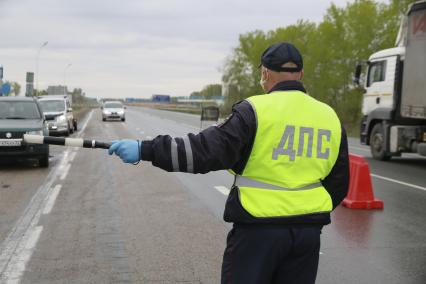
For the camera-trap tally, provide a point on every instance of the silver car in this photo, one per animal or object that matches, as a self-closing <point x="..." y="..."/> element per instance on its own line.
<point x="59" y="114"/>
<point x="113" y="110"/>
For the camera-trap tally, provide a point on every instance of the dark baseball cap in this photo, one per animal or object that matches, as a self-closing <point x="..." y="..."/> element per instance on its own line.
<point x="275" y="56"/>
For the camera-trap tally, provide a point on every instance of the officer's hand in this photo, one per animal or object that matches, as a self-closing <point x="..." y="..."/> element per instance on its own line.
<point x="127" y="150"/>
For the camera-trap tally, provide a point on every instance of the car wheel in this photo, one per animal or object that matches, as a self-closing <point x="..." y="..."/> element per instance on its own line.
<point x="75" y="125"/>
<point x="67" y="133"/>
<point x="123" y="119"/>
<point x="103" y="119"/>
<point x="44" y="161"/>
<point x="377" y="143"/>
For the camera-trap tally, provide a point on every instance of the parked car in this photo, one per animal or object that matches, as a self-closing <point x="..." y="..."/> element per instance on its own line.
<point x="19" y="116"/>
<point x="59" y="116"/>
<point x="113" y="110"/>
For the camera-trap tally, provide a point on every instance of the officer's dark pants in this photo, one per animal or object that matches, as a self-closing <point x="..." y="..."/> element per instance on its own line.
<point x="265" y="254"/>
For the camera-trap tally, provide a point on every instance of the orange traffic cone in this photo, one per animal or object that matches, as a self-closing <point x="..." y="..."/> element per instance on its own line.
<point x="360" y="195"/>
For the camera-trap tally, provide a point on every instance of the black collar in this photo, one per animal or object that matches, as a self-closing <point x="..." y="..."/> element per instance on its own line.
<point x="288" y="86"/>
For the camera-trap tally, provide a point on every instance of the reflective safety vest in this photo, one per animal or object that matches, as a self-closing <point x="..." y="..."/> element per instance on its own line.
<point x="296" y="145"/>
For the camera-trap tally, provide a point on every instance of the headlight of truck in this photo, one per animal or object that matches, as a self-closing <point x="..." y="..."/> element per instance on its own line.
<point x="61" y="118"/>
<point x="36" y="132"/>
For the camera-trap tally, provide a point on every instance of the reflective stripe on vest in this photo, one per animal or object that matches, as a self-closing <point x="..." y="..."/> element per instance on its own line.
<point x="296" y="145"/>
<point x="247" y="182"/>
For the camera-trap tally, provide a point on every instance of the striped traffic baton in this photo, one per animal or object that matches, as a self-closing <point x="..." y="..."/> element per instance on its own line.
<point x="73" y="142"/>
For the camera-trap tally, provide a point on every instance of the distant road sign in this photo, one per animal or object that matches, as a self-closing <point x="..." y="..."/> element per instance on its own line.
<point x="210" y="113"/>
<point x="5" y="89"/>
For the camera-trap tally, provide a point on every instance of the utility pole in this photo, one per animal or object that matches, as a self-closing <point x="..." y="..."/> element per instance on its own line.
<point x="1" y="80"/>
<point x="37" y="59"/>
<point x="65" y="77"/>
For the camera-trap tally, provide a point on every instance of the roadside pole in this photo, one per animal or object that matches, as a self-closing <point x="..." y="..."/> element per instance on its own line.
<point x="1" y="79"/>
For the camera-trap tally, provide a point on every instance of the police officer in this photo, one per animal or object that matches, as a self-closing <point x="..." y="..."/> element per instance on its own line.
<point x="289" y="155"/>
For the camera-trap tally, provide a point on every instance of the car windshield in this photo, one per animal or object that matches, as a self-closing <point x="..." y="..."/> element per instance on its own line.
<point x="19" y="110"/>
<point x="51" y="106"/>
<point x="113" y="105"/>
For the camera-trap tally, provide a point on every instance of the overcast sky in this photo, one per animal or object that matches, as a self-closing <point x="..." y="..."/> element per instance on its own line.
<point x="135" y="48"/>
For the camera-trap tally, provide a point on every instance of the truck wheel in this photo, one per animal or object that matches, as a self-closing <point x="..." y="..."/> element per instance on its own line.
<point x="378" y="143"/>
<point x="44" y="161"/>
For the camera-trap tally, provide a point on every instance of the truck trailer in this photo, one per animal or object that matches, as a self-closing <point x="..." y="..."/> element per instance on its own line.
<point x="394" y="103"/>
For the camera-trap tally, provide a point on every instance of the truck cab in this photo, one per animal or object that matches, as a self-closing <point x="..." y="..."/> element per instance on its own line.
<point x="394" y="103"/>
<point x="381" y="79"/>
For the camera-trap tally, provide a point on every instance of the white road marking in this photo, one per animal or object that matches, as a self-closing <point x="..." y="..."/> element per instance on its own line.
<point x="399" y="182"/>
<point x="14" y="246"/>
<point x="17" y="264"/>
<point x="65" y="172"/>
<point x="51" y="200"/>
<point x="85" y="124"/>
<point x="359" y="148"/>
<point x="17" y="248"/>
<point x="222" y="189"/>
<point x="72" y="156"/>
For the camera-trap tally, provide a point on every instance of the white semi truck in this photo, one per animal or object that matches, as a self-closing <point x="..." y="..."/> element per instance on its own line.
<point x="394" y="104"/>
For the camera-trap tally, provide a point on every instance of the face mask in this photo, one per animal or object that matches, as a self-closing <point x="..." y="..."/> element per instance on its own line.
<point x="262" y="82"/>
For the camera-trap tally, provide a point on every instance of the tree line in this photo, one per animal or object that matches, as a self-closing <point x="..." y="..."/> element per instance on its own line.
<point x="331" y="49"/>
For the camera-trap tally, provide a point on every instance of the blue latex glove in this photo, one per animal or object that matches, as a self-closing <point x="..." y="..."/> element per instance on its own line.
<point x="127" y="150"/>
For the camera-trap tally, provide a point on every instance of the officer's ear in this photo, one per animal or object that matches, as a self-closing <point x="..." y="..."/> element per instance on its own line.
<point x="265" y="74"/>
<point x="302" y="74"/>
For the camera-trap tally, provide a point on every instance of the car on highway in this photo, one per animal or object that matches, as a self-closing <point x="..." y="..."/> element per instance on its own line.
<point x="59" y="114"/>
<point x="113" y="110"/>
<point x="19" y="116"/>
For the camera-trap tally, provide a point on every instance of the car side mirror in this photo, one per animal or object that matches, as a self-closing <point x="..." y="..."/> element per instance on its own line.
<point x="70" y="109"/>
<point x="357" y="74"/>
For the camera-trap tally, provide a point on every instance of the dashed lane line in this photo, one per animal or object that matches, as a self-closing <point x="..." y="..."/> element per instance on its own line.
<point x="65" y="172"/>
<point x="222" y="189"/>
<point x="72" y="156"/>
<point x="51" y="199"/>
<point x="359" y="148"/>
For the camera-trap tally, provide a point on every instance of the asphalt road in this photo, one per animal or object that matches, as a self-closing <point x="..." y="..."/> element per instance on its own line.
<point x="89" y="218"/>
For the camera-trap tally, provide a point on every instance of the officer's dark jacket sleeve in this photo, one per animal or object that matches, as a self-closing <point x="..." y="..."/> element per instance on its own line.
<point x="337" y="181"/>
<point x="215" y="148"/>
